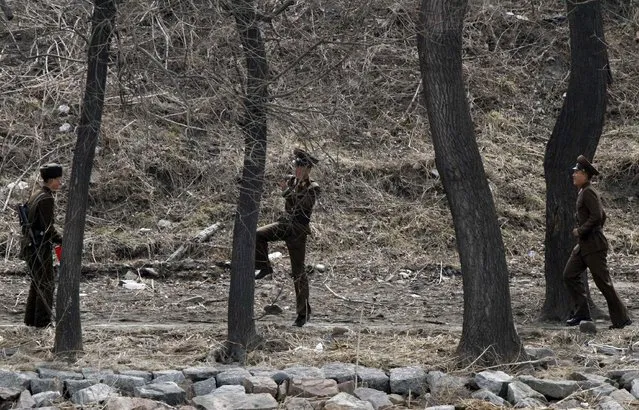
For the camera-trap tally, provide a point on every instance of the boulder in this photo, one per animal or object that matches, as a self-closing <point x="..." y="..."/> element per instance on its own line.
<point x="9" y="394"/>
<point x="530" y="403"/>
<point x="25" y="401"/>
<point x="554" y="389"/>
<point x="494" y="381"/>
<point x="231" y="401"/>
<point x="312" y="388"/>
<point x="441" y="383"/>
<point x="518" y="391"/>
<point x="608" y="403"/>
<point x="198" y="374"/>
<point x="46" y="398"/>
<point x="230" y="389"/>
<point x="147" y="376"/>
<point x="303" y="372"/>
<point x="232" y="376"/>
<point x="406" y="380"/>
<point x="15" y="380"/>
<point x="46" y="373"/>
<point x="123" y="382"/>
<point x="71" y="386"/>
<point x="340" y="372"/>
<point x="378" y="399"/>
<point x="634" y="388"/>
<point x="487" y="395"/>
<point x="175" y="376"/>
<point x="40" y="385"/>
<point x="297" y="403"/>
<point x="94" y="394"/>
<point x="344" y="401"/>
<point x="135" y="403"/>
<point x="622" y="396"/>
<point x="96" y="375"/>
<point x="167" y="392"/>
<point x="260" y="384"/>
<point x="374" y="378"/>
<point x="204" y="387"/>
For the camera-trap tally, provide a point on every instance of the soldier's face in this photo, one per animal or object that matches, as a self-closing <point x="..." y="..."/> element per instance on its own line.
<point x="54" y="184"/>
<point x="301" y="172"/>
<point x="579" y="178"/>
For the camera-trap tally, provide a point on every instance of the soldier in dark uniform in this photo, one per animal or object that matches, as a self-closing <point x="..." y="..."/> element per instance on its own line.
<point x="38" y="255"/>
<point x="300" y="193"/>
<point x="591" y="252"/>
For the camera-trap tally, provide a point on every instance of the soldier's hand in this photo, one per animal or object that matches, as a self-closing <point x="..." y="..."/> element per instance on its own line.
<point x="575" y="232"/>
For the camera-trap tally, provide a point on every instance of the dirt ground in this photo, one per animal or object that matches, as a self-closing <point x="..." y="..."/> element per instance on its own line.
<point x="379" y="320"/>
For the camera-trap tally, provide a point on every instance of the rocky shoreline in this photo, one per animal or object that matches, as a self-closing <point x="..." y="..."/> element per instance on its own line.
<point x="334" y="386"/>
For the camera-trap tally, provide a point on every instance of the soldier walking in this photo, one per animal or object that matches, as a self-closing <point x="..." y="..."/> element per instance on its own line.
<point x="36" y="249"/>
<point x="300" y="193"/>
<point x="591" y="252"/>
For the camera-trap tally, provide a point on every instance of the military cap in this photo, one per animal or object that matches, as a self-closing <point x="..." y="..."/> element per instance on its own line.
<point x="584" y="165"/>
<point x="51" y="171"/>
<point x="303" y="158"/>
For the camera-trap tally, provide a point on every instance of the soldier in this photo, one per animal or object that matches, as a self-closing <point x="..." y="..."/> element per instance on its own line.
<point x="591" y="252"/>
<point x="36" y="250"/>
<point x="300" y="193"/>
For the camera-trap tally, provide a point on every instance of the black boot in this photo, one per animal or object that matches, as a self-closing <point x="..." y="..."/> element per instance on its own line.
<point x="301" y="320"/>
<point x="263" y="273"/>
<point x="575" y="320"/>
<point x="622" y="325"/>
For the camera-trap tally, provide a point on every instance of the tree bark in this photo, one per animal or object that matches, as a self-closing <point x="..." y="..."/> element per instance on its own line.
<point x="488" y="330"/>
<point x="68" y="333"/>
<point x="577" y="131"/>
<point x="242" y="335"/>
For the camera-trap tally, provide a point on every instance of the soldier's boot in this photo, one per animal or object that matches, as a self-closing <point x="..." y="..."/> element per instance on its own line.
<point x="264" y="272"/>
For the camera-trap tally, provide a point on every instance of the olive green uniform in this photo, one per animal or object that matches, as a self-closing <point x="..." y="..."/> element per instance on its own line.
<point x="591" y="252"/>
<point x="300" y="198"/>
<point x="39" y="258"/>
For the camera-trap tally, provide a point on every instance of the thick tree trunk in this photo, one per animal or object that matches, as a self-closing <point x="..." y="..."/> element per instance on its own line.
<point x="242" y="335"/>
<point x="68" y="333"/>
<point x="577" y="131"/>
<point x="488" y="328"/>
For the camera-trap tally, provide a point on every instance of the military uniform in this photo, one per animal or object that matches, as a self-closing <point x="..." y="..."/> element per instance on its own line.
<point x="591" y="252"/>
<point x="39" y="258"/>
<point x="293" y="229"/>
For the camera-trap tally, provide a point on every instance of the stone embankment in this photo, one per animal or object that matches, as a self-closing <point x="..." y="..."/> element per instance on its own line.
<point x="331" y="387"/>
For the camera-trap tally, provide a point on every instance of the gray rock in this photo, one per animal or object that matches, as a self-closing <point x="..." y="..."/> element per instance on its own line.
<point x="230" y="401"/>
<point x="536" y="353"/>
<point x="604" y="389"/>
<point x="493" y="381"/>
<point x="373" y="378"/>
<point x="310" y="388"/>
<point x="607" y="403"/>
<point x="619" y="373"/>
<point x="260" y="384"/>
<point x="346" y="387"/>
<point x="625" y="380"/>
<point x="555" y="389"/>
<point x="379" y="400"/>
<point x="40" y="385"/>
<point x="135" y="403"/>
<point x="9" y="394"/>
<point x="518" y="391"/>
<point x="440" y="383"/>
<point x="445" y="407"/>
<point x="15" y="380"/>
<point x="93" y="394"/>
<point x="175" y="376"/>
<point x="204" y="387"/>
<point x="230" y="389"/>
<point x="46" y="373"/>
<point x="592" y="377"/>
<point x="487" y="395"/>
<point x="622" y="396"/>
<point x="72" y="386"/>
<point x="232" y="376"/>
<point x="25" y="401"/>
<point x="167" y="392"/>
<point x="198" y="374"/>
<point x="530" y="403"/>
<point x="344" y="401"/>
<point x="634" y="388"/>
<point x="405" y="380"/>
<point x="340" y="372"/>
<point x="297" y="403"/>
<point x="123" y="382"/>
<point x="567" y="404"/>
<point x="46" y="398"/>
<point x="147" y="376"/>
<point x="304" y="372"/>
<point x="96" y="375"/>
<point x="397" y="399"/>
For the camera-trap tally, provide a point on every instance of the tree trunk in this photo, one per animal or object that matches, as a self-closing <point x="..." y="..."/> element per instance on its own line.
<point x="577" y="131"/>
<point x="488" y="329"/>
<point x="242" y="335"/>
<point x="68" y="333"/>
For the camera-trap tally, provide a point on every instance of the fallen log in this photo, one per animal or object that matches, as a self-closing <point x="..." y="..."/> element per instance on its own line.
<point x="202" y="236"/>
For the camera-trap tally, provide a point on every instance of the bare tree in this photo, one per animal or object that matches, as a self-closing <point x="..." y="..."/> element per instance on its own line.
<point x="488" y="329"/>
<point x="577" y="131"/>
<point x="68" y="334"/>
<point x="242" y="335"/>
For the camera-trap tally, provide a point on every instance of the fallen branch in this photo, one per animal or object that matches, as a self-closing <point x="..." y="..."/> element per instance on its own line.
<point x="201" y="237"/>
<point x="351" y="300"/>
